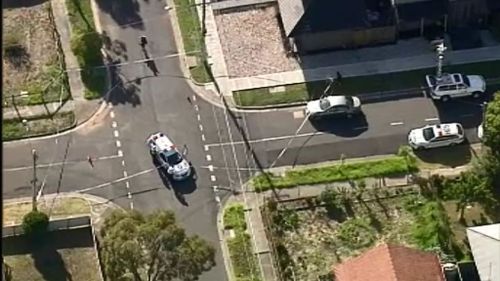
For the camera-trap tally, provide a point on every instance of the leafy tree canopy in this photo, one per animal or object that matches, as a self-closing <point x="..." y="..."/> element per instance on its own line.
<point x="153" y="248"/>
<point x="492" y="125"/>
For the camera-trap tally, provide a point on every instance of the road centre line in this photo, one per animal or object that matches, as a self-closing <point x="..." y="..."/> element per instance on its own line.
<point x="432" y="119"/>
<point x="194" y="98"/>
<point x="129" y="195"/>
<point x="212" y="178"/>
<point x="114" y="124"/>
<point x="206" y="147"/>
<point x="116" y="133"/>
<point x="267" y="139"/>
<point x="57" y="164"/>
<point x="201" y="127"/>
<point x="125" y="174"/>
<point x="198" y="117"/>
<point x="120" y="153"/>
<point x="127" y="184"/>
<point x="397" y="123"/>
<point x="112" y="114"/>
<point x="209" y="158"/>
<point x="203" y="137"/>
<point x="118" y="144"/>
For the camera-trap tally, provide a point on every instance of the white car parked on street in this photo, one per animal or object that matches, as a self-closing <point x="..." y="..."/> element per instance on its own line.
<point x="455" y="85"/>
<point x="167" y="155"/>
<point x="438" y="135"/>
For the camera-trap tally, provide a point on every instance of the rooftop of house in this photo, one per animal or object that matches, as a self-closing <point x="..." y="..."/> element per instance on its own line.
<point x="327" y="15"/>
<point x="388" y="262"/>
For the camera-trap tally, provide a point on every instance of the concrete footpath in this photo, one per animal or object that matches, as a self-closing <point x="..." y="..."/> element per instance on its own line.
<point x="253" y="201"/>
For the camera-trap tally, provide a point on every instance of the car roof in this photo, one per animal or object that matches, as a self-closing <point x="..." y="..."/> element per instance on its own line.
<point x="449" y="129"/>
<point x="161" y="141"/>
<point x="449" y="79"/>
<point x="337" y="100"/>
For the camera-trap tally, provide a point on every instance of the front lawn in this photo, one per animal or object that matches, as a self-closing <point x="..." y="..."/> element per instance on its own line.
<point x="374" y="168"/>
<point x="13" y="129"/>
<point x="358" y="85"/>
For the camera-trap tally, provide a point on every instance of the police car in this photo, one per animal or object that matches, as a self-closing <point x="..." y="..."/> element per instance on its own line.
<point x="167" y="155"/>
<point x="438" y="135"/>
<point x="455" y="85"/>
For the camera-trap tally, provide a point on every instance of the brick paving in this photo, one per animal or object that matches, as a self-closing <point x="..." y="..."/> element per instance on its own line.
<point x="252" y="42"/>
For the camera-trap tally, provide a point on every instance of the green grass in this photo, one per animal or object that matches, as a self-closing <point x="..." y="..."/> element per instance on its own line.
<point x="86" y="45"/>
<point x="38" y="125"/>
<point x="374" y="168"/>
<point x="244" y="262"/>
<point x="192" y="38"/>
<point x="358" y="85"/>
<point x="234" y="218"/>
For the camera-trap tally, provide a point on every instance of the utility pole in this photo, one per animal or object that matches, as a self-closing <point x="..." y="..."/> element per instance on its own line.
<point x="203" y="17"/>
<point x="35" y="156"/>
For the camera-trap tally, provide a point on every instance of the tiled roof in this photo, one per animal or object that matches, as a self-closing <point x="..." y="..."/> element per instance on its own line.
<point x="388" y="262"/>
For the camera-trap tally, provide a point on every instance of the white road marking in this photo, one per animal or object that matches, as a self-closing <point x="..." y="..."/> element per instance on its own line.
<point x="194" y="97"/>
<point x="129" y="195"/>
<point x="116" y="181"/>
<point x="228" y="168"/>
<point x="118" y="144"/>
<point x="396" y="123"/>
<point x="57" y="164"/>
<point x="198" y="117"/>
<point x="211" y="168"/>
<point x="217" y="199"/>
<point x="206" y="147"/>
<point x="209" y="158"/>
<point x="127" y="184"/>
<point x="212" y="178"/>
<point x="268" y="139"/>
<point x="298" y="114"/>
<point x="120" y="153"/>
<point x="125" y="174"/>
<point x="432" y="119"/>
<point x="123" y="163"/>
<point x="131" y="205"/>
<point x="196" y="107"/>
<point x="203" y="137"/>
<point x="201" y="127"/>
<point x="56" y="140"/>
<point x="112" y="114"/>
<point x="116" y="133"/>
<point x="114" y="124"/>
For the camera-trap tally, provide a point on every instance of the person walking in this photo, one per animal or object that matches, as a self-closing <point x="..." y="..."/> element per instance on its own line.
<point x="91" y="162"/>
<point x="144" y="41"/>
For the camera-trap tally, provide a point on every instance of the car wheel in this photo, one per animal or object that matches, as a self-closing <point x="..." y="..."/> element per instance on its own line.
<point x="445" y="98"/>
<point x="476" y="95"/>
<point x="419" y="148"/>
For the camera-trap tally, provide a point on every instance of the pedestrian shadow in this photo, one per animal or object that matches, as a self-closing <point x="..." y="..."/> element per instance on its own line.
<point x="123" y="12"/>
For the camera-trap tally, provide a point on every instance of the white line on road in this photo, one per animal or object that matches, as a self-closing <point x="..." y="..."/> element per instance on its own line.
<point x="131" y="205"/>
<point x="268" y="139"/>
<point x="227" y="168"/>
<point x="57" y="164"/>
<point x="118" y="144"/>
<point x="115" y="181"/>
<point x="201" y="127"/>
<point x="206" y="147"/>
<point x="203" y="137"/>
<point x="432" y="119"/>
<point x="125" y="174"/>
<point x="120" y="153"/>
<point x="217" y="199"/>
<point x="209" y="158"/>
<point x="129" y="195"/>
<point x="123" y="163"/>
<point x="114" y="124"/>
<point x="396" y="123"/>
<point x="127" y="184"/>
<point x="211" y="168"/>
<point x="194" y="97"/>
<point x="116" y="133"/>
<point x="196" y="107"/>
<point x="198" y="117"/>
<point x="112" y="114"/>
<point x="212" y="178"/>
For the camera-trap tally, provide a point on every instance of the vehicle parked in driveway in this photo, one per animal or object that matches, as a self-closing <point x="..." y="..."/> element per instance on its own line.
<point x="333" y="106"/>
<point x="168" y="157"/>
<point x="455" y="85"/>
<point x="439" y="135"/>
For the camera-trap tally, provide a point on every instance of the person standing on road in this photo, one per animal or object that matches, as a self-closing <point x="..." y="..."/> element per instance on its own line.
<point x="144" y="41"/>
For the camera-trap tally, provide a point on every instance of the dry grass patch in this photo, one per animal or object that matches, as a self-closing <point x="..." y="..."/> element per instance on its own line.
<point x="31" y="56"/>
<point x="61" y="207"/>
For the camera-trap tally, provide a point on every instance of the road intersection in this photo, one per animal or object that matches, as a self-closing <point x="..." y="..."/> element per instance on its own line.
<point x="225" y="146"/>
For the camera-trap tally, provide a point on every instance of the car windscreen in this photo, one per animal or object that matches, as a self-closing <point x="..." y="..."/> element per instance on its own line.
<point x="349" y="101"/>
<point x="466" y="80"/>
<point x="171" y="157"/>
<point x="431" y="80"/>
<point x="428" y="133"/>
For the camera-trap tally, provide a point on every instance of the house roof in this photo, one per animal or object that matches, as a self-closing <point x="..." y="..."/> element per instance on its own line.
<point x="485" y="245"/>
<point x="388" y="262"/>
<point x="326" y="15"/>
<point x="411" y="10"/>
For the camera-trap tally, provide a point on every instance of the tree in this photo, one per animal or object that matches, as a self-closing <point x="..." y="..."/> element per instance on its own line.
<point x="152" y="247"/>
<point x="35" y="224"/>
<point x="491" y="125"/>
<point x="469" y="188"/>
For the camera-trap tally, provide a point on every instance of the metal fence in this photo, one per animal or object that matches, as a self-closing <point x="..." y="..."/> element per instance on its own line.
<point x="54" y="225"/>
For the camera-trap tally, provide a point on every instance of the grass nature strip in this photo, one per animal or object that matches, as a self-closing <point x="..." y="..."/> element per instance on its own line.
<point x="350" y="171"/>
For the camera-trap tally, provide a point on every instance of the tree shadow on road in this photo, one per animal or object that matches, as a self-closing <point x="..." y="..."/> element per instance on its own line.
<point x="123" y="12"/>
<point x="342" y="126"/>
<point x="122" y="91"/>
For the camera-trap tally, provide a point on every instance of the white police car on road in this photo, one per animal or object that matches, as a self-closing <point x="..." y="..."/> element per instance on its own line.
<point x="438" y="135"/>
<point x="455" y="85"/>
<point x="165" y="153"/>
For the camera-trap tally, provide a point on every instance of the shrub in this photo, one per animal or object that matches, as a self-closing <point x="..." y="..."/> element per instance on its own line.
<point x="35" y="224"/>
<point x="87" y="48"/>
<point x="357" y="233"/>
<point x="234" y="218"/>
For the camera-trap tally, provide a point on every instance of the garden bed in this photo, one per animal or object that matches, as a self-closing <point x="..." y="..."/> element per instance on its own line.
<point x="37" y="126"/>
<point x="243" y="260"/>
<point x="374" y="168"/>
<point x="33" y="62"/>
<point x="358" y="85"/>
